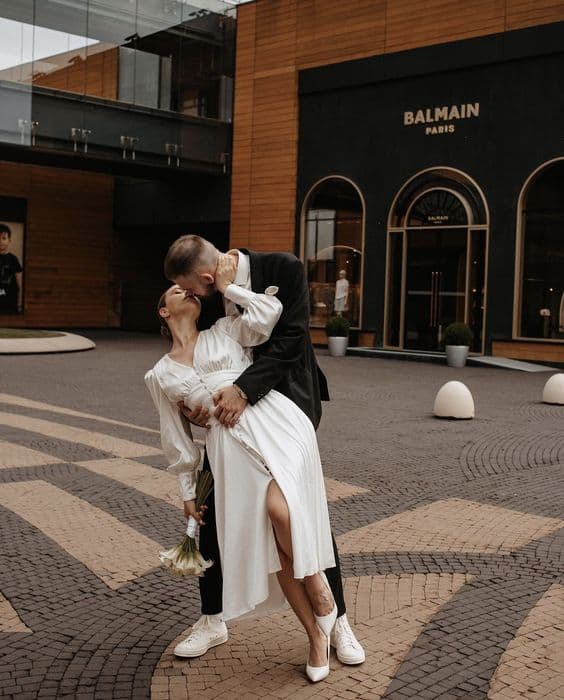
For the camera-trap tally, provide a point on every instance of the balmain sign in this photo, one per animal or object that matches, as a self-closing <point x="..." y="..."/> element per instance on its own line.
<point x="441" y="120"/>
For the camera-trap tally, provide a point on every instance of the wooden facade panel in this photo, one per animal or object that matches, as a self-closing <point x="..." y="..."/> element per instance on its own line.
<point x="68" y="244"/>
<point x="318" y="337"/>
<point x="335" y="14"/>
<point x="272" y="17"/>
<point x="526" y="13"/>
<point x="273" y="87"/>
<point x="529" y="351"/>
<point x="246" y="37"/>
<point x="369" y="35"/>
<point x="410" y="24"/>
<point x="275" y="33"/>
<point x="273" y="109"/>
<point x="332" y="31"/>
<point x="269" y="138"/>
<point x="243" y="127"/>
<point x="264" y="206"/>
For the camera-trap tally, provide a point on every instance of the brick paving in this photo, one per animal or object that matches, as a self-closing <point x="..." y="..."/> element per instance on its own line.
<point x="451" y="536"/>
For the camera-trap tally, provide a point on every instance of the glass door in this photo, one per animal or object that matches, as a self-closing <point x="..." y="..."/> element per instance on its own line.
<point x="435" y="285"/>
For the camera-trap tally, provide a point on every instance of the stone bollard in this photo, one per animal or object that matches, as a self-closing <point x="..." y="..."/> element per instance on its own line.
<point x="454" y="400"/>
<point x="554" y="390"/>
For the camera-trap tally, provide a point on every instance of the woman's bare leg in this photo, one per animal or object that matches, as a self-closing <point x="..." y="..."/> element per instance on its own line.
<point x="319" y="594"/>
<point x="317" y="591"/>
<point x="294" y="590"/>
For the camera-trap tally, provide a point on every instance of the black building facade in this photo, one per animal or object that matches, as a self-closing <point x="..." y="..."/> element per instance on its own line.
<point x="436" y="179"/>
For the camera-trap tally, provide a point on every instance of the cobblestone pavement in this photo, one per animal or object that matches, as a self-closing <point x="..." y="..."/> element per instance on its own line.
<point x="451" y="536"/>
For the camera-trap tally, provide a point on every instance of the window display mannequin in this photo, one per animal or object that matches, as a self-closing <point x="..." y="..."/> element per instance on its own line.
<point x="341" y="294"/>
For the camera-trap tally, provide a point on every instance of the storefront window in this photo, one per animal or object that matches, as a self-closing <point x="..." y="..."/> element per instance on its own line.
<point x="542" y="280"/>
<point x="333" y="245"/>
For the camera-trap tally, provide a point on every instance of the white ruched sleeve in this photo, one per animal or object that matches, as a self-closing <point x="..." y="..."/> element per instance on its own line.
<point x="260" y="314"/>
<point x="183" y="455"/>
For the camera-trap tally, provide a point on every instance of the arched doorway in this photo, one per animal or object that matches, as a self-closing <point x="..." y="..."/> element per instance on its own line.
<point x="332" y="249"/>
<point x="540" y="255"/>
<point x="436" y="260"/>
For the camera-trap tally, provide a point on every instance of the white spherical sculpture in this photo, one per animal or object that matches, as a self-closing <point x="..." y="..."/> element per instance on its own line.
<point x="554" y="389"/>
<point x="454" y="400"/>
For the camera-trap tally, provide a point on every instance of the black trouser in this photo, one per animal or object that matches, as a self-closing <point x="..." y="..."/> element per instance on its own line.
<point x="211" y="583"/>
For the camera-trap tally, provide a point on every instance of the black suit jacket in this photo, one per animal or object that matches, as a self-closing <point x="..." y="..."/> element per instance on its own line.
<point x="286" y="362"/>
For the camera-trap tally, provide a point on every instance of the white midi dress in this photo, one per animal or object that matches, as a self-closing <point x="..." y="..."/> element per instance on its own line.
<point x="274" y="439"/>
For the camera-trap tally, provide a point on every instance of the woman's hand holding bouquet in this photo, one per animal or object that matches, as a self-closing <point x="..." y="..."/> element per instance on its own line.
<point x="185" y="559"/>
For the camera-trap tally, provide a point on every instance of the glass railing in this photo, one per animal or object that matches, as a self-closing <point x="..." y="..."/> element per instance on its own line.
<point x="112" y="64"/>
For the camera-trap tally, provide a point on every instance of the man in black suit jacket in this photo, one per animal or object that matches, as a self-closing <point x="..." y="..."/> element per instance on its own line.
<point x="286" y="362"/>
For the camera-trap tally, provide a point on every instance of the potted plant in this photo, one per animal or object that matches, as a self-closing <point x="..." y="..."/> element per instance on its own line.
<point x="337" y="329"/>
<point x="458" y="339"/>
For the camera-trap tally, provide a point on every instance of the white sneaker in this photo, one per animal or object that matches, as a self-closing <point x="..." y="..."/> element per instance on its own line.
<point x="209" y="631"/>
<point x="346" y="644"/>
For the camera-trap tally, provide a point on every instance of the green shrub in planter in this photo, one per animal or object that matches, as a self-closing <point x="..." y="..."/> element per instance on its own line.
<point x="337" y="327"/>
<point x="458" y="334"/>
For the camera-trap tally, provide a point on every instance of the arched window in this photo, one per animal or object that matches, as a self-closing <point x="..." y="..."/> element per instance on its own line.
<point x="542" y="255"/>
<point x="332" y="247"/>
<point x="438" y="207"/>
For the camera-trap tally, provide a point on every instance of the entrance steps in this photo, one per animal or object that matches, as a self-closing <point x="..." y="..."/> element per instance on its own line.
<point x="508" y="363"/>
<point x="439" y="358"/>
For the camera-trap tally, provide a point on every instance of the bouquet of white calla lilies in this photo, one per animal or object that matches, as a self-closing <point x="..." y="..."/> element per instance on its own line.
<point x="185" y="558"/>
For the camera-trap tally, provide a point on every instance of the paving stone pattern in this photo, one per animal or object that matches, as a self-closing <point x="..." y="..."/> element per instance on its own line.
<point x="451" y="537"/>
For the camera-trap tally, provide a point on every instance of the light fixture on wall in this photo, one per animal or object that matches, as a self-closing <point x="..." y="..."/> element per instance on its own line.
<point x="34" y="127"/>
<point x="80" y="136"/>
<point x="22" y="128"/>
<point x="128" y="144"/>
<point x="85" y="134"/>
<point x="174" y="152"/>
<point x="224" y="159"/>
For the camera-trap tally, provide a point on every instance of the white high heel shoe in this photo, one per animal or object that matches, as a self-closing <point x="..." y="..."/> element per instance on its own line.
<point x="318" y="673"/>
<point x="325" y="624"/>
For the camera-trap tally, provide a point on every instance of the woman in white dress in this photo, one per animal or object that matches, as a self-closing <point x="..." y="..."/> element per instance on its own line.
<point x="271" y="508"/>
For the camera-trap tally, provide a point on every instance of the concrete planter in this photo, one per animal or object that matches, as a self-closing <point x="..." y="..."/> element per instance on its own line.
<point x="457" y="355"/>
<point x="337" y="345"/>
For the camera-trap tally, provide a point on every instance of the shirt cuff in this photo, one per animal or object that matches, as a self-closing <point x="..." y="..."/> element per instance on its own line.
<point x="239" y="295"/>
<point x="187" y="483"/>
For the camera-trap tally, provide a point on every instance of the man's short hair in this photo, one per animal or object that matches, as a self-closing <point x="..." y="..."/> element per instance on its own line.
<point x="187" y="255"/>
<point x="6" y="229"/>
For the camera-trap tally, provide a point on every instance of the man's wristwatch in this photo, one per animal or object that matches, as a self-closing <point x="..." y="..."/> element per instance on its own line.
<point x="240" y="391"/>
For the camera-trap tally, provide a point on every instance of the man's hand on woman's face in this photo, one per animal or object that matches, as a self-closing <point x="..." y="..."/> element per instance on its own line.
<point x="225" y="271"/>
<point x="229" y="406"/>
<point x="197" y="416"/>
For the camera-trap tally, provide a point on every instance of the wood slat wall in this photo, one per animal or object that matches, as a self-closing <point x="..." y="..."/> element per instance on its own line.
<point x="277" y="38"/>
<point x="529" y="351"/>
<point x="68" y="246"/>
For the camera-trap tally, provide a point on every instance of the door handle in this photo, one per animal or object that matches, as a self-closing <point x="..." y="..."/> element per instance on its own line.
<point x="432" y="300"/>
<point x="437" y="296"/>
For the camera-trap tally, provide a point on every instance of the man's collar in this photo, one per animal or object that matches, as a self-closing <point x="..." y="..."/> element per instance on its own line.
<point x="243" y="270"/>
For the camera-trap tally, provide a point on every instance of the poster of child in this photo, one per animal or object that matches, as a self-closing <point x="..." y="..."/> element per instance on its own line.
<point x="11" y="267"/>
